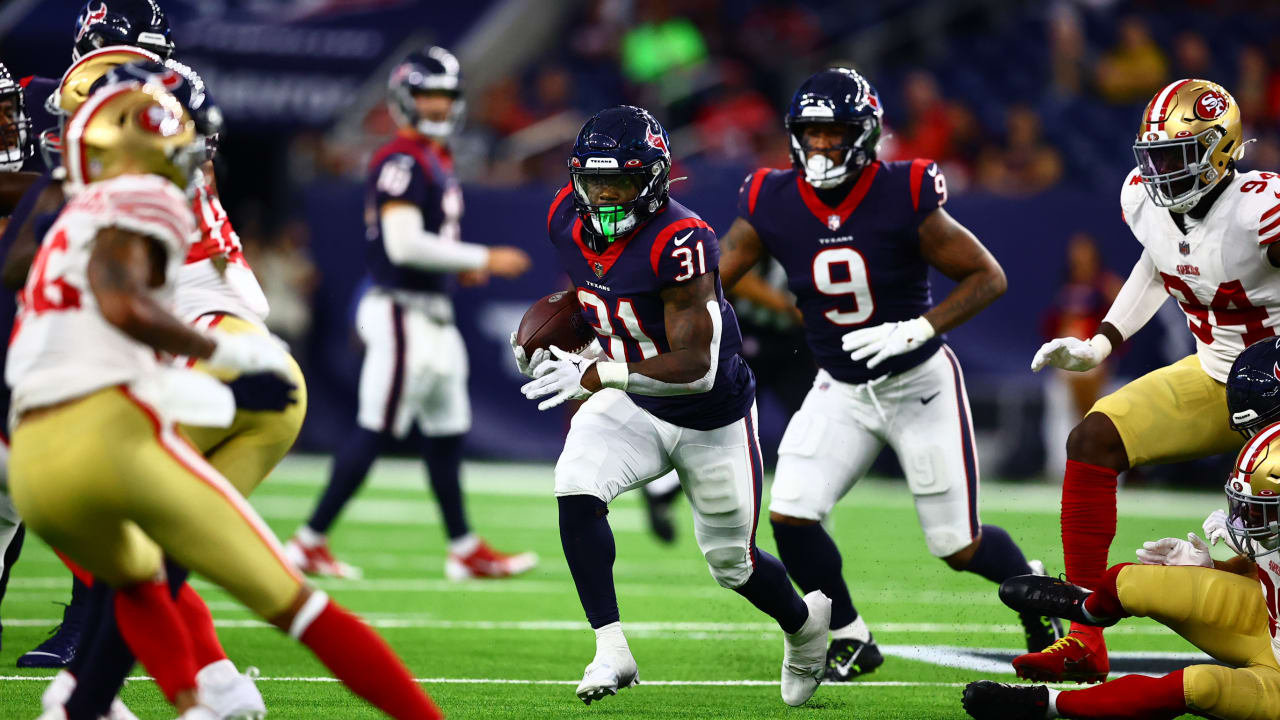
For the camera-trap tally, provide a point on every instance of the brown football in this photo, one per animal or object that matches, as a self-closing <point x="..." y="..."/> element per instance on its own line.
<point x="556" y="319"/>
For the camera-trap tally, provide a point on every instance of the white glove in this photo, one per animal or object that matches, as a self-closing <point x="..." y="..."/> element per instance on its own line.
<point x="1172" y="551"/>
<point x="527" y="365"/>
<point x="250" y="353"/>
<point x="560" y="377"/>
<point x="1215" y="529"/>
<point x="886" y="340"/>
<point x="1071" y="353"/>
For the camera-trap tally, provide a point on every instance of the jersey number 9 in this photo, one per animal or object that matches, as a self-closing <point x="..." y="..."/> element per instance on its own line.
<point x="855" y="286"/>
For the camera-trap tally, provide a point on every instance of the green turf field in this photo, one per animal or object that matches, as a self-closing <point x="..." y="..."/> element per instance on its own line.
<point x="516" y="649"/>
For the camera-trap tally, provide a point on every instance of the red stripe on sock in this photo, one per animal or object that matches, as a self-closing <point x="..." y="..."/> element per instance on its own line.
<point x="361" y="659"/>
<point x="149" y="621"/>
<point x="199" y="622"/>
<point x="1088" y="521"/>
<point x="1132" y="696"/>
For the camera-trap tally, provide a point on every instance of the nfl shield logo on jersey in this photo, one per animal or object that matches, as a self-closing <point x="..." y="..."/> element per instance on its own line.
<point x="599" y="268"/>
<point x="833" y="222"/>
<point x="1184" y="247"/>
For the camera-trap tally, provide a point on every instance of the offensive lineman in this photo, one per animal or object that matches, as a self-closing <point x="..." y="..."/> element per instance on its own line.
<point x="857" y="237"/>
<point x="668" y="389"/>
<point x="1209" y="238"/>
<point x="83" y="364"/>
<point x="415" y="364"/>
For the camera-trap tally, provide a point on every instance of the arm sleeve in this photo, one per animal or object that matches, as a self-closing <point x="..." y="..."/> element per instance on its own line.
<point x="1139" y="299"/>
<point x="407" y="243"/>
<point x="645" y="385"/>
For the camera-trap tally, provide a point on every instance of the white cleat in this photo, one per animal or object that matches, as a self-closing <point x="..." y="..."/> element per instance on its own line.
<point x="805" y="652"/>
<point x="59" y="691"/>
<point x="607" y="675"/>
<point x="118" y="711"/>
<point x="228" y="693"/>
<point x="198" y="712"/>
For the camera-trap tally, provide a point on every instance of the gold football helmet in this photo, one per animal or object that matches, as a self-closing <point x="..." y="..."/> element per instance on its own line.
<point x="73" y="89"/>
<point x="1253" y="495"/>
<point x="130" y="128"/>
<point x="1189" y="136"/>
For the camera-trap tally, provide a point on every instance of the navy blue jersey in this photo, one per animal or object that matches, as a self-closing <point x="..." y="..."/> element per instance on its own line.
<point x="420" y="173"/>
<point x="855" y="265"/>
<point x="35" y="93"/>
<point x="620" y="292"/>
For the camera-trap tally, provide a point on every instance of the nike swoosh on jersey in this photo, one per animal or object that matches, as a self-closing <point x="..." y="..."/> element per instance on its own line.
<point x="681" y="240"/>
<point x="927" y="400"/>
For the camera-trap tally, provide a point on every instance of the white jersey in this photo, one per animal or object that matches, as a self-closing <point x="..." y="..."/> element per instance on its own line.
<point x="62" y="347"/>
<point x="1218" y="270"/>
<point x="216" y="278"/>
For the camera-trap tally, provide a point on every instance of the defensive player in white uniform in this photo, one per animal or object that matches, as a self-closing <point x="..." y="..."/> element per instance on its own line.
<point x="1209" y="236"/>
<point x="98" y="468"/>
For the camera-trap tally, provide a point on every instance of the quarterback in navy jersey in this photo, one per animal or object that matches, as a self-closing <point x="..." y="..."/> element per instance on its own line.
<point x="666" y="389"/>
<point x="857" y="237"/>
<point x="415" y="363"/>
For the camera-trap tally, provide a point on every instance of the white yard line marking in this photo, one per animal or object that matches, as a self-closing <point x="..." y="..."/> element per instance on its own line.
<point x="517" y="681"/>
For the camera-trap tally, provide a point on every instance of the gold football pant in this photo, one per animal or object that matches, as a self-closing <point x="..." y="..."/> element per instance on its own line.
<point x="103" y="480"/>
<point x="1174" y="413"/>
<point x="1224" y="615"/>
<point x="247" y="451"/>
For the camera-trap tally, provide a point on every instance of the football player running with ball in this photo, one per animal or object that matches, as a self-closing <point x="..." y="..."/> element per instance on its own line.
<point x="857" y="237"/>
<point x="415" y="363"/>
<point x="1209" y="236"/>
<point x="668" y="389"/>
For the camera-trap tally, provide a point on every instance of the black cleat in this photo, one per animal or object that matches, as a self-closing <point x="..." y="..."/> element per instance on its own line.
<point x="1037" y="594"/>
<point x="847" y="659"/>
<point x="660" y="514"/>
<point x="1041" y="630"/>
<point x="58" y="650"/>
<point x="986" y="700"/>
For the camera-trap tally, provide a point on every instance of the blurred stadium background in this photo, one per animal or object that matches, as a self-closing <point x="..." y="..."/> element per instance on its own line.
<point x="1030" y="107"/>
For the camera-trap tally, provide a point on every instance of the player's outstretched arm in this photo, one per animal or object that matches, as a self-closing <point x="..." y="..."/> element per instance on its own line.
<point x="407" y="243"/>
<point x="955" y="252"/>
<point x="21" y="241"/>
<point x="691" y="313"/>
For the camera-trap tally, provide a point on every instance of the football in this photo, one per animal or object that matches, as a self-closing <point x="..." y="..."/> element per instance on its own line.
<point x="555" y="320"/>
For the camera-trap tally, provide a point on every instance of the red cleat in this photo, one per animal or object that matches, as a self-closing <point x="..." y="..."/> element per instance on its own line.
<point x="318" y="560"/>
<point x="485" y="562"/>
<point x="1078" y="657"/>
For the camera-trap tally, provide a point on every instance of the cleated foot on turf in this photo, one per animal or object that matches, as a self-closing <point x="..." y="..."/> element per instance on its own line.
<point x="1049" y="596"/>
<point x="986" y="700"/>
<point x="607" y="674"/>
<point x="804" y="657"/>
<point x="317" y="559"/>
<point x="232" y="695"/>
<point x="848" y="658"/>
<point x="1040" y="630"/>
<point x="1074" y="658"/>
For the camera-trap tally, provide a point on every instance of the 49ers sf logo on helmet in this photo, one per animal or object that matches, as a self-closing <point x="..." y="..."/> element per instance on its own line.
<point x="1211" y="105"/>
<point x="155" y="118"/>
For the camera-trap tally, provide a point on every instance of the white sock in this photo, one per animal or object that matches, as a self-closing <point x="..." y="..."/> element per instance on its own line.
<point x="856" y="630"/>
<point x="464" y="545"/>
<point x="308" y="537"/>
<point x="610" y="637"/>
<point x="1053" y="704"/>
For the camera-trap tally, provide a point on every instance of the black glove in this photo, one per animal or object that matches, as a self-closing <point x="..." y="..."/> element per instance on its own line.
<point x="263" y="391"/>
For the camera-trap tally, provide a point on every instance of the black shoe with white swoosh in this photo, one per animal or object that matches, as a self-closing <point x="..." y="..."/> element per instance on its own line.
<point x="847" y="659"/>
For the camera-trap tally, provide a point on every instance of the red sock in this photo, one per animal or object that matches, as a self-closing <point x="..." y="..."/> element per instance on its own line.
<point x="151" y="625"/>
<point x="1132" y="697"/>
<point x="1088" y="521"/>
<point x="361" y="659"/>
<point x="195" y="615"/>
<point x="1105" y="600"/>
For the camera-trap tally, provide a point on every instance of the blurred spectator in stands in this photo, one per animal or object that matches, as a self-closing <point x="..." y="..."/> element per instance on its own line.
<point x="288" y="277"/>
<point x="1068" y="59"/>
<point x="929" y="132"/>
<point x="1134" y="68"/>
<point x="552" y="91"/>
<point x="501" y="108"/>
<point x="1192" y="57"/>
<point x="660" y="42"/>
<point x="1087" y="291"/>
<point x="1026" y="164"/>
<point x="1255" y="89"/>
<point x="777" y="29"/>
<point x="735" y="118"/>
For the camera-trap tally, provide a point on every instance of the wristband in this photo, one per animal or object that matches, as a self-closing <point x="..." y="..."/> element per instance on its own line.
<point x="1101" y="345"/>
<point x="612" y="374"/>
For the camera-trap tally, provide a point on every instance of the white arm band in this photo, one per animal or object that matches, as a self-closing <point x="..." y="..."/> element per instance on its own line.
<point x="645" y="385"/>
<point x="408" y="244"/>
<point x="1142" y="295"/>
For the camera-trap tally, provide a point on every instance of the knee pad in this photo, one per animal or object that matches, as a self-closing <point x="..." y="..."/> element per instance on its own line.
<point x="729" y="565"/>
<point x="1251" y="693"/>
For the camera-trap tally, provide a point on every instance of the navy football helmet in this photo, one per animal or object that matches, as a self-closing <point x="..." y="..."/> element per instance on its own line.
<point x="15" y="126"/>
<point x="1253" y="387"/>
<point x="842" y="97"/>
<point x="184" y="84"/>
<point x="136" y="23"/>
<point x="432" y="70"/>
<point x="626" y="149"/>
